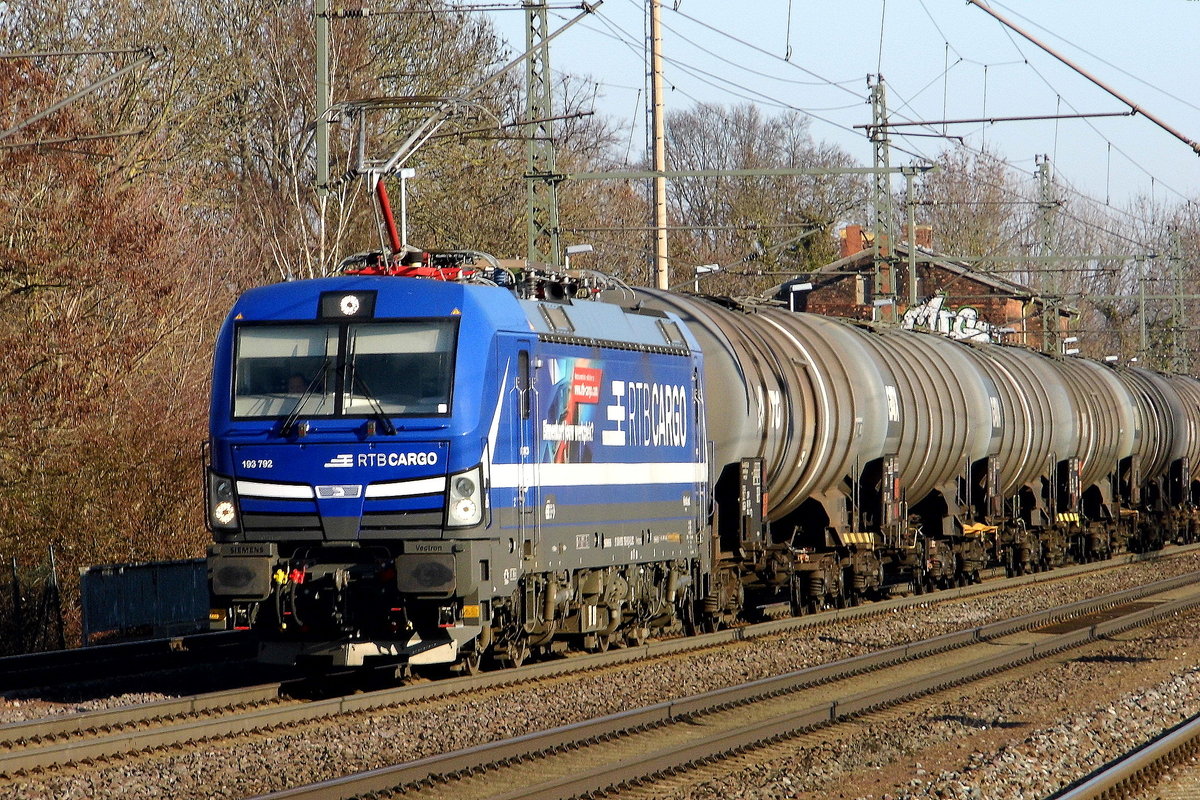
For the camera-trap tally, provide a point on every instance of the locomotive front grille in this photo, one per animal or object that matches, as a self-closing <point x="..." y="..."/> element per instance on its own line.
<point x="371" y="521"/>
<point x="276" y="522"/>
<point x="383" y="520"/>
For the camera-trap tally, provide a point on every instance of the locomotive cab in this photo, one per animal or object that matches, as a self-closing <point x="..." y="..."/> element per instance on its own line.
<point x="347" y="489"/>
<point x="425" y="471"/>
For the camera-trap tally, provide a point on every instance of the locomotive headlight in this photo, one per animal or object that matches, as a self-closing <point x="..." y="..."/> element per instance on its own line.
<point x="464" y="503"/>
<point x="222" y="505"/>
<point x="464" y="509"/>
<point x="224" y="513"/>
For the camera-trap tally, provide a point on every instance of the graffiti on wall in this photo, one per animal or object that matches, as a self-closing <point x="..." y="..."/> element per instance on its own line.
<point x="957" y="323"/>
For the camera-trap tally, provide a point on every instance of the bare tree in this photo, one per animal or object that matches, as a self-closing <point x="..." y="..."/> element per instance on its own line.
<point x="725" y="218"/>
<point x="974" y="204"/>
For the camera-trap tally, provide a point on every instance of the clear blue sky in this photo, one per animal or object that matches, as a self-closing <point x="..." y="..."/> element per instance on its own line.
<point x="942" y="59"/>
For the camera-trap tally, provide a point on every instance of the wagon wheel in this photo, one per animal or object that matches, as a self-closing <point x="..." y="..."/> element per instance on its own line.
<point x="687" y="613"/>
<point x="470" y="662"/>
<point x="514" y="654"/>
<point x="636" y="635"/>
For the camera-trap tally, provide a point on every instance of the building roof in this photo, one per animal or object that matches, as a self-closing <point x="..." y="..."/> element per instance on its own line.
<point x="863" y="260"/>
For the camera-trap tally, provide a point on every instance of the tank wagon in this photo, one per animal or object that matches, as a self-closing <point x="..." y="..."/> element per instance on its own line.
<point x="473" y="464"/>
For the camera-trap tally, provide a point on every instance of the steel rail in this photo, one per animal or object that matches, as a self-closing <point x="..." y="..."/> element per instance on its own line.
<point x="437" y="768"/>
<point x="31" y="744"/>
<point x="1124" y="776"/>
<point x="665" y="762"/>
<point x="17" y="734"/>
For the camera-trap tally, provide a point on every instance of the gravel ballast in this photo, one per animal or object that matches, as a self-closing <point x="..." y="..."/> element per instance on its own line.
<point x="265" y="762"/>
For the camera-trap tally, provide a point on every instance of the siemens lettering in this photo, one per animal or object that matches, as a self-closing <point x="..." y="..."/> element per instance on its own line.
<point x="657" y="414"/>
<point x="397" y="459"/>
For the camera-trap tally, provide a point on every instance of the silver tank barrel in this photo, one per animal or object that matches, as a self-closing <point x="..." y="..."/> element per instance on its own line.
<point x="1038" y="421"/>
<point x="951" y="411"/>
<point x="1188" y="389"/>
<point x="1160" y="419"/>
<point x="803" y="392"/>
<point x="819" y="398"/>
<point x="1104" y="416"/>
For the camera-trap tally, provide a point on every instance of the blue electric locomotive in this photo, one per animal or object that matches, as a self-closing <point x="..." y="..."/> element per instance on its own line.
<point x="431" y="470"/>
<point x="425" y="470"/>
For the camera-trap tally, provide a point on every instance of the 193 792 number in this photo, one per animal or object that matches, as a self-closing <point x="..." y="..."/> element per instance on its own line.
<point x="258" y="463"/>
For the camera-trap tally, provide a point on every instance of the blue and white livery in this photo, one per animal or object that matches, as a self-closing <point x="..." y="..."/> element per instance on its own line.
<point x="428" y="470"/>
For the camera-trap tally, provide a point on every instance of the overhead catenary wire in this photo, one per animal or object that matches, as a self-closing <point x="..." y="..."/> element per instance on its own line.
<point x="1120" y="96"/>
<point x="1149" y="84"/>
<point x="627" y="41"/>
<point x="1022" y="61"/>
<point x="821" y="80"/>
<point x="917" y="155"/>
<point x="1110" y="145"/>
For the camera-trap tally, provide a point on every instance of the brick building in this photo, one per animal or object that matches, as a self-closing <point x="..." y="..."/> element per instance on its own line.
<point x="952" y="297"/>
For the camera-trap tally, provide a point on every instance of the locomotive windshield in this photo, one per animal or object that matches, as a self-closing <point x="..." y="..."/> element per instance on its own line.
<point x="329" y="370"/>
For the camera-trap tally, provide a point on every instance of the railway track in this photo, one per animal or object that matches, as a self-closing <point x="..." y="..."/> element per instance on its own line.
<point x="643" y="744"/>
<point x="1139" y="774"/>
<point x="47" y="744"/>
<point x="131" y="659"/>
<point x="608" y="752"/>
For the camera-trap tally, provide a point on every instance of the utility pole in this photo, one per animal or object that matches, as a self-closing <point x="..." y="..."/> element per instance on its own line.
<point x="911" y="203"/>
<point x="321" y="131"/>
<point x="1047" y="203"/>
<point x="885" y="283"/>
<point x="1179" y="358"/>
<point x="1143" y="346"/>
<point x="321" y="25"/>
<point x="541" y="180"/>
<point x="662" y="275"/>
<point x="1051" y="286"/>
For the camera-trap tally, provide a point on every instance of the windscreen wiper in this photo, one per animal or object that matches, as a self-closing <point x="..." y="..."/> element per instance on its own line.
<point x="356" y="380"/>
<point x="288" y="424"/>
<point x="376" y="406"/>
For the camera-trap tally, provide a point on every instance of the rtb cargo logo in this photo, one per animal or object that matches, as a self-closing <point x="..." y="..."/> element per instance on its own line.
<point x="382" y="460"/>
<point x="647" y="414"/>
